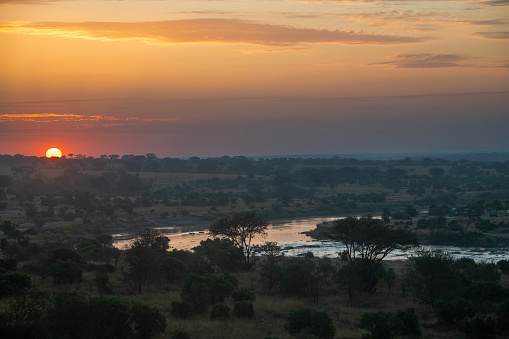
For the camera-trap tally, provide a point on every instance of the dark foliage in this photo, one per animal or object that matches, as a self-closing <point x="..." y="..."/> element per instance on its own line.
<point x="243" y="309"/>
<point x="220" y="312"/>
<point x="307" y="320"/>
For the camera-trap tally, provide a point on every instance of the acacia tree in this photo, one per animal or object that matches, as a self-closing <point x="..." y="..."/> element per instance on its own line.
<point x="143" y="257"/>
<point x="241" y="228"/>
<point x="368" y="241"/>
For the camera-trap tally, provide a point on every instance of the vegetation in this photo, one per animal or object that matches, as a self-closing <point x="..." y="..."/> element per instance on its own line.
<point x="58" y="216"/>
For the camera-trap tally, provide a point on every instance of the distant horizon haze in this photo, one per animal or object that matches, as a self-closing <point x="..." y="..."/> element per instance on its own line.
<point x="259" y="78"/>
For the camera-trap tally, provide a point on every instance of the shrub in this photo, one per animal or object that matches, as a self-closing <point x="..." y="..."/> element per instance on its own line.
<point x="244" y="294"/>
<point x="148" y="321"/>
<point x="308" y="321"/>
<point x="411" y="325"/>
<point x="195" y="291"/>
<point x="503" y="314"/>
<point x="12" y="283"/>
<point x="66" y="272"/>
<point x="451" y="311"/>
<point x="220" y="312"/>
<point x="201" y="291"/>
<point x="180" y="334"/>
<point x="478" y="327"/>
<point x="243" y="309"/>
<point x="504" y="266"/>
<point x="181" y="309"/>
<point x="381" y="325"/>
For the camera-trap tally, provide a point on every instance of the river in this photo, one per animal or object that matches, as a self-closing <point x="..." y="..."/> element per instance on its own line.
<point x="289" y="235"/>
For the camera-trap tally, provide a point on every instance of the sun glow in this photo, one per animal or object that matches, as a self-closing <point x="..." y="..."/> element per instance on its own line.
<point x="53" y="153"/>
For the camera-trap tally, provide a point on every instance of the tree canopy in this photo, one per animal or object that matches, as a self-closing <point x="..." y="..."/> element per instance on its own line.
<point x="368" y="241"/>
<point x="241" y="228"/>
<point x="371" y="239"/>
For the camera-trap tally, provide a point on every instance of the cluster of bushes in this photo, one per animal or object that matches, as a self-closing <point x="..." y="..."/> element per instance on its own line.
<point x="72" y="315"/>
<point x="464" y="294"/>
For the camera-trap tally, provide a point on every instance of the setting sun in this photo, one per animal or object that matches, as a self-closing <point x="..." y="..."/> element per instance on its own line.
<point x="53" y="153"/>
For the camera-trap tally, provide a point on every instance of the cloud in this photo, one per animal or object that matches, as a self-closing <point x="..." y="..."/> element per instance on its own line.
<point x="30" y="2"/>
<point x="392" y="16"/>
<point x="70" y="121"/>
<point x="206" y="31"/>
<point x="492" y="35"/>
<point x="496" y="2"/>
<point x="425" y="60"/>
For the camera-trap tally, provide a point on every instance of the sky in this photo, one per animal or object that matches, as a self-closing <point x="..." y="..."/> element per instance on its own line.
<point x="209" y="78"/>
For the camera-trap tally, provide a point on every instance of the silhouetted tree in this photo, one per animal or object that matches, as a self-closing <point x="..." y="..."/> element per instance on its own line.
<point x="368" y="241"/>
<point x="241" y="228"/>
<point x="143" y="257"/>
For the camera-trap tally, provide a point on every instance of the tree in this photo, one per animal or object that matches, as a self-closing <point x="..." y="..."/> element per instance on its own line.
<point x="241" y="228"/>
<point x="144" y="256"/>
<point x="434" y="275"/>
<point x="66" y="272"/>
<point x="222" y="252"/>
<point x="368" y="241"/>
<point x="272" y="255"/>
<point x="469" y="215"/>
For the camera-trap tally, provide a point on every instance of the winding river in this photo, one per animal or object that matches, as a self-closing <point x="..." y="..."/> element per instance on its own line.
<point x="289" y="235"/>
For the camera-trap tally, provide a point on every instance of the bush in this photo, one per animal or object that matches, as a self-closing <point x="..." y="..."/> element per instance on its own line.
<point x="504" y="266"/>
<point x="65" y="272"/>
<point x="451" y="311"/>
<point x="243" y="309"/>
<point x="201" y="291"/>
<point x="220" y="312"/>
<point x="308" y="321"/>
<point x="478" y="327"/>
<point x="503" y="314"/>
<point x="244" y="294"/>
<point x="381" y="325"/>
<point x="180" y="334"/>
<point x="195" y="291"/>
<point x="411" y="325"/>
<point x="12" y="283"/>
<point x="148" y="321"/>
<point x="181" y="309"/>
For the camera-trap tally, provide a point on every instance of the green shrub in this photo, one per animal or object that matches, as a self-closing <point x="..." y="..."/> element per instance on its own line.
<point x="503" y="314"/>
<point x="147" y="321"/>
<point x="308" y="321"/>
<point x="381" y="325"/>
<point x="244" y="294"/>
<point x="220" y="312"/>
<point x="411" y="325"/>
<point x="195" y="291"/>
<point x="12" y="283"/>
<point x="201" y="291"/>
<point x="243" y="309"/>
<point x="451" y="311"/>
<point x="65" y="272"/>
<point x="504" y="266"/>
<point x="180" y="334"/>
<point x="478" y="327"/>
<point x="181" y="309"/>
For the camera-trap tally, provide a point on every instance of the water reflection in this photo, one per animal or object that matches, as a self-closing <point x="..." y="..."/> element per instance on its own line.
<point x="289" y="235"/>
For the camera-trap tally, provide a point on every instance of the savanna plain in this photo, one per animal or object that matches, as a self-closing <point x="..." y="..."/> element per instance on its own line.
<point x="62" y="274"/>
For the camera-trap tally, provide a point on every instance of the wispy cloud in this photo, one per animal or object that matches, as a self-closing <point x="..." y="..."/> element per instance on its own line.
<point x="425" y="60"/>
<point x="70" y="121"/>
<point x="492" y="35"/>
<point x="496" y="2"/>
<point x="395" y="17"/>
<point x="206" y="31"/>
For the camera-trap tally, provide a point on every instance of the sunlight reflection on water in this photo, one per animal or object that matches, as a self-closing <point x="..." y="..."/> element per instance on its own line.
<point x="289" y="235"/>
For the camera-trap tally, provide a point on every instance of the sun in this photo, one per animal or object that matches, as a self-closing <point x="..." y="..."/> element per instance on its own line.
<point x="53" y="153"/>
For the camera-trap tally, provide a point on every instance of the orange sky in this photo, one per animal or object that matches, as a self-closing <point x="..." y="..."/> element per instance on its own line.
<point x="208" y="78"/>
